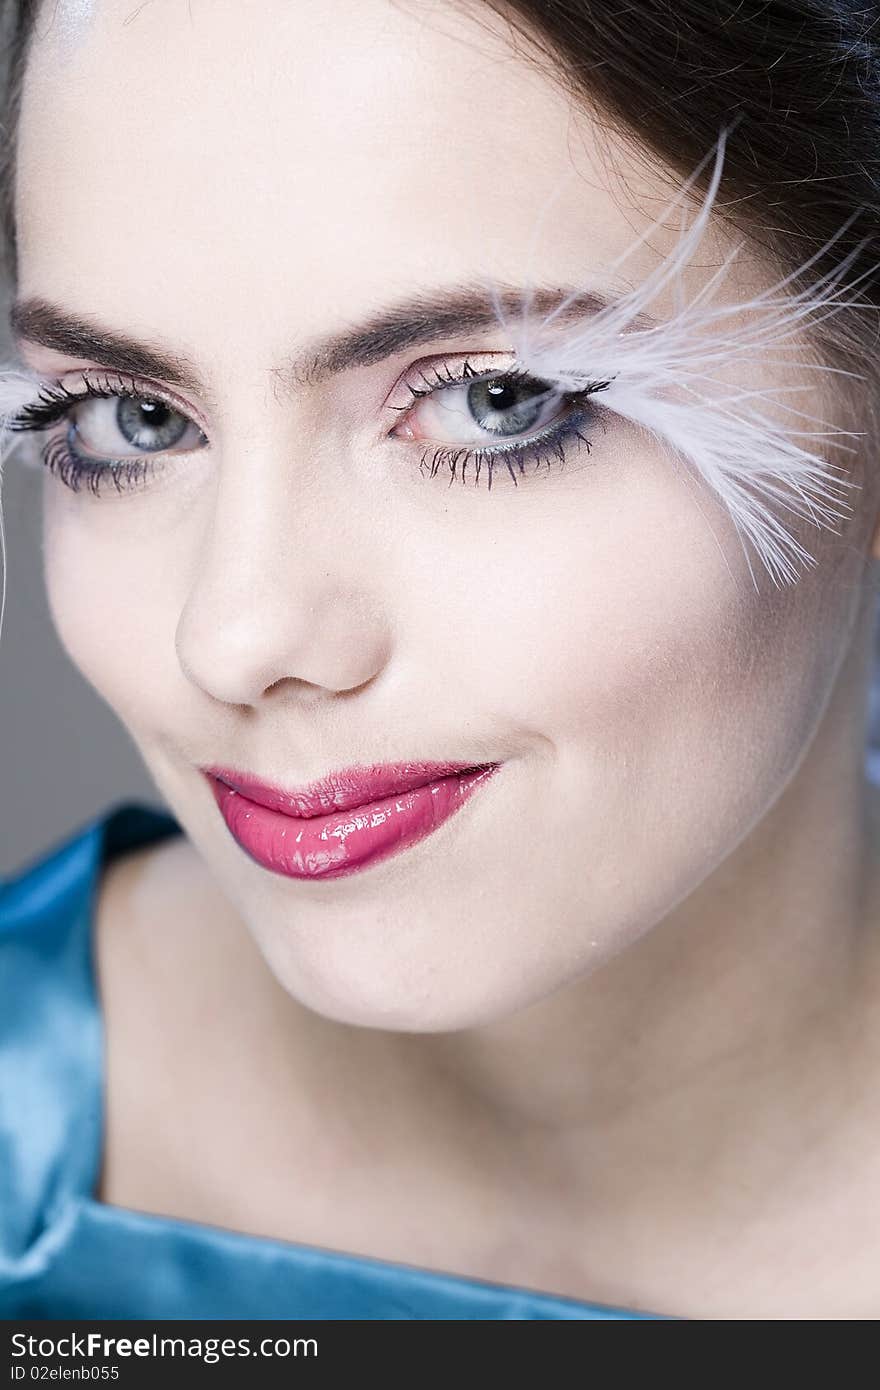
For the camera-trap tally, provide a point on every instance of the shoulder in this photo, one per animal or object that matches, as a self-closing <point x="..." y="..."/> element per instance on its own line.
<point x="36" y="899"/>
<point x="51" y="1035"/>
<point x="45" y="956"/>
<point x="49" y="1046"/>
<point x="40" y="895"/>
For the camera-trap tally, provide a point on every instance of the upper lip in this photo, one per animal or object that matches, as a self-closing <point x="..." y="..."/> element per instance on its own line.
<point x="340" y="791"/>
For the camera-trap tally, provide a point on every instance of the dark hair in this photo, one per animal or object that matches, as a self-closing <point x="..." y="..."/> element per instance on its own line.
<point x="799" y="79"/>
<point x="18" y="21"/>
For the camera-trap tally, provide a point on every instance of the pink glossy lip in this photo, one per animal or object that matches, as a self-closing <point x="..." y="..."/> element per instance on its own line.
<point x="346" y="821"/>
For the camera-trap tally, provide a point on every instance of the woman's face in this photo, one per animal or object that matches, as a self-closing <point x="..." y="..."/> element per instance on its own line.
<point x="292" y="590"/>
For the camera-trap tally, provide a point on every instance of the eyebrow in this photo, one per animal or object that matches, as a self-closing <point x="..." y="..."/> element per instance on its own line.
<point x="412" y="322"/>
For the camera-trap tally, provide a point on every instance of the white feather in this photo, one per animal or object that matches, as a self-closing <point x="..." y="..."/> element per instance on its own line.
<point x="760" y="454"/>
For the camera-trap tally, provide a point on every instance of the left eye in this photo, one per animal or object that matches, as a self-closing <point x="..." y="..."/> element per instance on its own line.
<point x="107" y="427"/>
<point x="476" y="412"/>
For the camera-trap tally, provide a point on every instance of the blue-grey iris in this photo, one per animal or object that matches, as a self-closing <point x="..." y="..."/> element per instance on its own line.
<point x="506" y="404"/>
<point x="149" y="424"/>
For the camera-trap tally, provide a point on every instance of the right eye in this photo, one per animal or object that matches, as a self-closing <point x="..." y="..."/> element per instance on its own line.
<point x="127" y="426"/>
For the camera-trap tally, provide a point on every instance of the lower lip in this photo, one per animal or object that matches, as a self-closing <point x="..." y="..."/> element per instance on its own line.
<point x="343" y="842"/>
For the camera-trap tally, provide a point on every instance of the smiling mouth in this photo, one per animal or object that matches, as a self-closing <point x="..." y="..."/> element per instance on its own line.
<point x="344" y="823"/>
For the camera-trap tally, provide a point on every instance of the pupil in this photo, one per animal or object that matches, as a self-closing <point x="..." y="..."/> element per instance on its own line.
<point x="502" y="394"/>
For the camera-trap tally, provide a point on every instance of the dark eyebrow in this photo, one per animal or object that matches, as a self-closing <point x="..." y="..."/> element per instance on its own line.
<point x="414" y="322"/>
<point x="443" y="314"/>
<point x="37" y="321"/>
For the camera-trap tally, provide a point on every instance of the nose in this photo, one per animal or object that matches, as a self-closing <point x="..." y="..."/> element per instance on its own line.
<point x="282" y="595"/>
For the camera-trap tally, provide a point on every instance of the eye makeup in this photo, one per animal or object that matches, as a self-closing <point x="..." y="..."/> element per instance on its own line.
<point x="533" y="440"/>
<point x="55" y="402"/>
<point x="509" y="392"/>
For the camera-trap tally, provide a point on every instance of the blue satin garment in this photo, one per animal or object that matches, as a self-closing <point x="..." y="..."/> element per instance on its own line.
<point x="65" y="1255"/>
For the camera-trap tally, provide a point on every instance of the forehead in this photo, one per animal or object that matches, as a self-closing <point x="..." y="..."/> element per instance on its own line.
<point x="199" y="164"/>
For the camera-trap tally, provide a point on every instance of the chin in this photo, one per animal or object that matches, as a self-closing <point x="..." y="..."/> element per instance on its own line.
<point x="369" y="1000"/>
<point x="409" y="994"/>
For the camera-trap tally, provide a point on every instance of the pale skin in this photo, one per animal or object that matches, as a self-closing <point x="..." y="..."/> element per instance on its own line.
<point x="610" y="1032"/>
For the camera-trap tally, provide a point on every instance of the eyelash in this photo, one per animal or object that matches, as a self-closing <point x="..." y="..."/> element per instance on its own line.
<point x="55" y="402"/>
<point x="550" y="444"/>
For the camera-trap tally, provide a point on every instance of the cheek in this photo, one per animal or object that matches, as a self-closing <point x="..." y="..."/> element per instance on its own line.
<point x="616" y="621"/>
<point x="104" y="600"/>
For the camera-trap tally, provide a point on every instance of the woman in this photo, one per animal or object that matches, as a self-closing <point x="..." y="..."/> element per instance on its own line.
<point x="509" y="949"/>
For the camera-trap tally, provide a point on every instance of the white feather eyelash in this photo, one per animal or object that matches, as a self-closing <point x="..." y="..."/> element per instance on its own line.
<point x="667" y="379"/>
